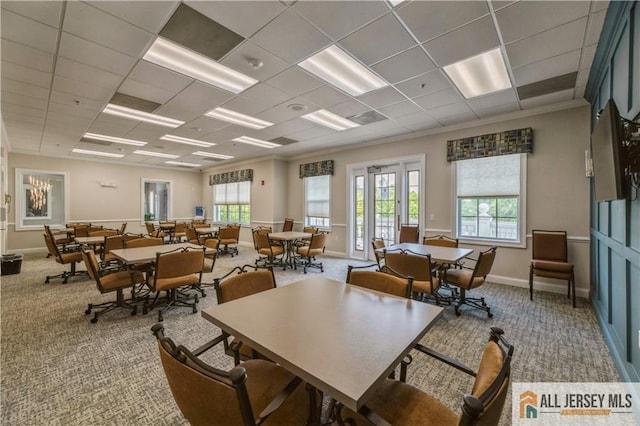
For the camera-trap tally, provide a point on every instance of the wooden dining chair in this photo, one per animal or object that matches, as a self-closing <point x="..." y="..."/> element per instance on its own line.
<point x="549" y="259"/>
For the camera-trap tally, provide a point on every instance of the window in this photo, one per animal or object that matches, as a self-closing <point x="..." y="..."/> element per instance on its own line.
<point x="156" y="203"/>
<point x="41" y="198"/>
<point x="490" y="198"/>
<point x="413" y="189"/>
<point x="316" y="200"/>
<point x="232" y="202"/>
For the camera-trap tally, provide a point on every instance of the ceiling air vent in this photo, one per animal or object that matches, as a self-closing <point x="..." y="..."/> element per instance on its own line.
<point x="550" y="85"/>
<point x="96" y="142"/>
<point x="283" y="141"/>
<point x="210" y="159"/>
<point x="367" y="117"/>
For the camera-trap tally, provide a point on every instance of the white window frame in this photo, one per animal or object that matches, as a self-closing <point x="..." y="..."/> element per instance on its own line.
<point x="216" y="216"/>
<point x="306" y="202"/>
<point x="522" y="211"/>
<point x="143" y="194"/>
<point x="56" y="215"/>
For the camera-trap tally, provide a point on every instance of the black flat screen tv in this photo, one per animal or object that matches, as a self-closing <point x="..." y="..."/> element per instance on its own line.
<point x="607" y="155"/>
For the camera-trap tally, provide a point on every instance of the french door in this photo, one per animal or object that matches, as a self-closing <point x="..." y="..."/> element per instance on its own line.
<point x="383" y="196"/>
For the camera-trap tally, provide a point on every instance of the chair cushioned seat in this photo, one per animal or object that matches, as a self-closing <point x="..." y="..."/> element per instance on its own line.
<point x="74" y="256"/>
<point x="304" y="251"/>
<point x="121" y="279"/>
<point x="275" y="250"/>
<point x="163" y="284"/>
<point x="460" y="277"/>
<point x="228" y="241"/>
<point x="425" y="286"/>
<point x="401" y="404"/>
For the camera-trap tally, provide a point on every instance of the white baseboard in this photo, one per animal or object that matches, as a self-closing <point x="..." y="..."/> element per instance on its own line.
<point x="560" y="287"/>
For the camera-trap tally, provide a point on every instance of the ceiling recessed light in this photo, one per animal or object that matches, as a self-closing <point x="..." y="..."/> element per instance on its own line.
<point x="180" y="163"/>
<point x="187" y="141"/>
<point x="238" y="118"/>
<point x="175" y="57"/>
<point x="212" y="155"/>
<point x="480" y="74"/>
<point x="256" y="142"/>
<point x="155" y="154"/>
<point x="107" y="138"/>
<point x="135" y="114"/>
<point x="99" y="153"/>
<point x="329" y="119"/>
<point x="335" y="66"/>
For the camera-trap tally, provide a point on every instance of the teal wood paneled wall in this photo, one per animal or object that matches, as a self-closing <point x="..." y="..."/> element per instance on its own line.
<point x="615" y="225"/>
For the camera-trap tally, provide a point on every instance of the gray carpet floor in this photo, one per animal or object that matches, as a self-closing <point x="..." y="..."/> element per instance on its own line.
<point x="59" y="369"/>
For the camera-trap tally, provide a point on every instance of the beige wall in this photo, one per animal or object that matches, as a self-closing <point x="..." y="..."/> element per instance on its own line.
<point x="557" y="189"/>
<point x="558" y="192"/>
<point x="109" y="207"/>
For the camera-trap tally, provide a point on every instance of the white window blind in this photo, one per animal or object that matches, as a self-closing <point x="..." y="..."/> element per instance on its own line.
<point x="232" y="193"/>
<point x="490" y="176"/>
<point x="317" y="196"/>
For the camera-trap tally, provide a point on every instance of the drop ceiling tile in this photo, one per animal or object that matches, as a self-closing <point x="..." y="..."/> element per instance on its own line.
<point x="325" y="96"/>
<point x="349" y="108"/>
<point x="264" y="93"/>
<point x="77" y="102"/>
<point x="381" y="97"/>
<point x="14" y="119"/>
<point x="194" y="101"/>
<point x="46" y="12"/>
<point x="95" y="55"/>
<point x="594" y="28"/>
<point x="547" y="99"/>
<point x="405" y="65"/>
<point x="339" y="18"/>
<point x="526" y="18"/>
<point x="111" y="125"/>
<point x="452" y="109"/>
<point x="430" y="19"/>
<point x="95" y="25"/>
<point x="145" y="91"/>
<point x="294" y="81"/>
<point x="276" y="37"/>
<point x="158" y="76"/>
<point x="283" y="129"/>
<point x="149" y="15"/>
<point x="25" y="75"/>
<point x="238" y="59"/>
<point x="85" y="73"/>
<point x="389" y="35"/>
<point x="547" y="68"/>
<point x="13" y="86"/>
<point x="462" y="117"/>
<point x="437" y="99"/>
<point x="26" y="56"/>
<point x="547" y="44"/>
<point x="23" y="110"/>
<point x="495" y="103"/>
<point x="148" y="132"/>
<point x="418" y="121"/>
<point x="242" y="17"/>
<point x="312" y="133"/>
<point x="400" y="109"/>
<point x="246" y="106"/>
<point x="470" y="40"/>
<point x="429" y="82"/>
<point x="25" y="101"/>
<point x="280" y="113"/>
<point x="28" y="32"/>
<point x="85" y="90"/>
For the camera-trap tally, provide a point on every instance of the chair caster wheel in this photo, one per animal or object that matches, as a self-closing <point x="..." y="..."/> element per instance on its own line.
<point x="457" y="313"/>
<point x="195" y="298"/>
<point x="134" y="312"/>
<point x="160" y="319"/>
<point x="195" y="310"/>
<point x="489" y="315"/>
<point x="87" y="312"/>
<point x="94" y="320"/>
<point x="46" y="281"/>
<point x="145" y="310"/>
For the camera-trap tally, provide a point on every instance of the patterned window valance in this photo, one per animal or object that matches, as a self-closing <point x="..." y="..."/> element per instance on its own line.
<point x="491" y="145"/>
<point x="319" y="168"/>
<point x="231" y="177"/>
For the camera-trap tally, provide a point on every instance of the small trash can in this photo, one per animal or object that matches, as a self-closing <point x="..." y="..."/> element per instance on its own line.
<point x="11" y="264"/>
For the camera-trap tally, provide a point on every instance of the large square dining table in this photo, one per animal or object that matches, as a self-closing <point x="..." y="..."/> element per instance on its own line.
<point x="445" y="255"/>
<point x="147" y="254"/>
<point x="344" y="340"/>
<point x="289" y="237"/>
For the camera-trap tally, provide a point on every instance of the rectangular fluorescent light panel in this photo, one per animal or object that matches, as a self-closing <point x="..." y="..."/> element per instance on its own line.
<point x="480" y="74"/>
<point x="212" y="155"/>
<point x="155" y="154"/>
<point x="256" y="142"/>
<point x="187" y="141"/>
<point x="336" y="67"/>
<point x="180" y="163"/>
<point x="238" y="118"/>
<point x="135" y="114"/>
<point x="329" y="119"/>
<point x="114" y="139"/>
<point x="177" y="58"/>
<point x="100" y="153"/>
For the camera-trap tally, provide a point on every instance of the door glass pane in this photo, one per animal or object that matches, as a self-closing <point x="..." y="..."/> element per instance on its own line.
<point x="359" y="216"/>
<point x="413" y="197"/>
<point x="384" y="205"/>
